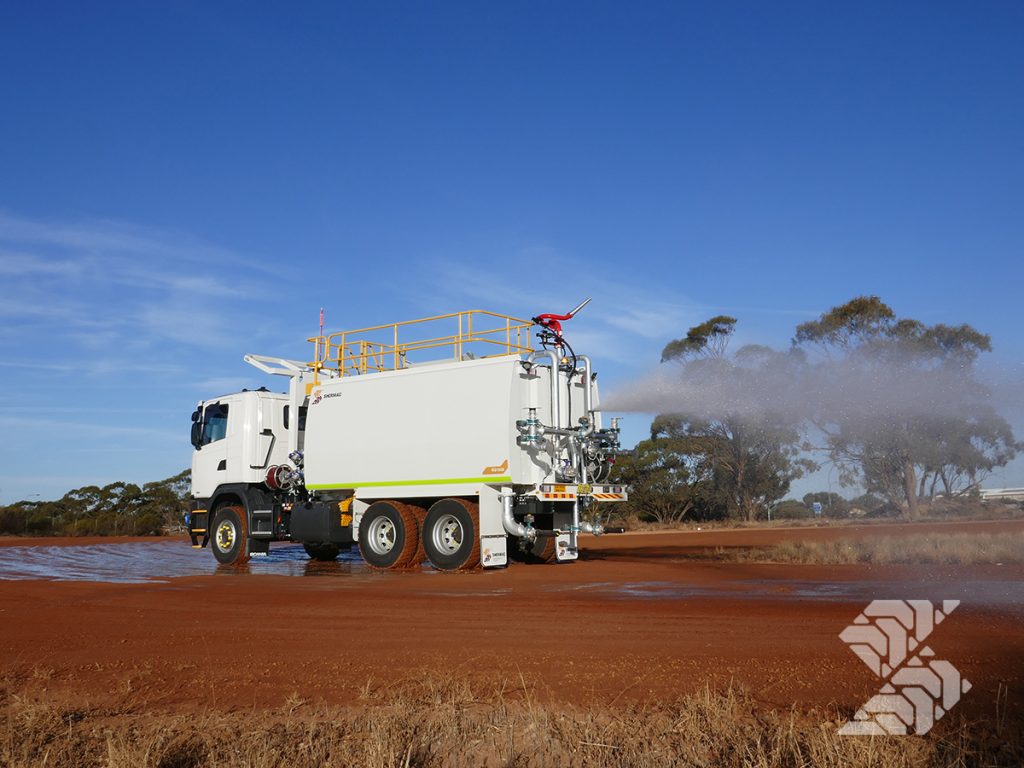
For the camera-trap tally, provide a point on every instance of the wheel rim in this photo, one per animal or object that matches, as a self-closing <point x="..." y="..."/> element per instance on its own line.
<point x="225" y="536"/>
<point x="447" y="535"/>
<point x="381" y="536"/>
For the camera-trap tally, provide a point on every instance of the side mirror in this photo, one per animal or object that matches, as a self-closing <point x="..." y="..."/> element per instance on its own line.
<point x="197" y="434"/>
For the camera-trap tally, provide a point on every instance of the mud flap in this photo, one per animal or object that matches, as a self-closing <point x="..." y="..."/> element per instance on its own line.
<point x="565" y="547"/>
<point x="257" y="547"/>
<point x="494" y="551"/>
<point x="567" y="541"/>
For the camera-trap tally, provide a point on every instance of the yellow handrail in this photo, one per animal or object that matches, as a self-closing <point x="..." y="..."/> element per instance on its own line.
<point x="380" y="348"/>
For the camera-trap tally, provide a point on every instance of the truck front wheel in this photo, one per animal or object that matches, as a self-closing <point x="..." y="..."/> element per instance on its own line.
<point x="229" y="535"/>
<point x="388" y="535"/>
<point x="451" y="535"/>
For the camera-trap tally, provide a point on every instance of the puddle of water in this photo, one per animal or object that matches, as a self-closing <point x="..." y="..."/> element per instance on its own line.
<point x="136" y="562"/>
<point x="163" y="560"/>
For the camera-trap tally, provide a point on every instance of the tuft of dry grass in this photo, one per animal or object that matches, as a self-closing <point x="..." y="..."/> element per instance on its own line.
<point x="915" y="549"/>
<point x="432" y="721"/>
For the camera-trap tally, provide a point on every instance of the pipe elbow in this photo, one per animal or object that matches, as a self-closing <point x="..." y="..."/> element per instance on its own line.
<point x="509" y="523"/>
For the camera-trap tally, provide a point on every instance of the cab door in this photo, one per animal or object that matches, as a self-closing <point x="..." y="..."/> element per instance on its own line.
<point x="210" y="460"/>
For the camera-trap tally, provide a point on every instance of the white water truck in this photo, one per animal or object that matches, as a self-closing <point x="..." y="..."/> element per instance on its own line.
<point x="448" y="439"/>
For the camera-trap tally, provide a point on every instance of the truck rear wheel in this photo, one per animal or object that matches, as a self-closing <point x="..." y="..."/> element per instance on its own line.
<point x="322" y="552"/>
<point x="542" y="550"/>
<point x="388" y="535"/>
<point x="230" y="535"/>
<point x="451" y="535"/>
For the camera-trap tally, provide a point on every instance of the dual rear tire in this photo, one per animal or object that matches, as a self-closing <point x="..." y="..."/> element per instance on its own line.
<point x="394" y="535"/>
<point x="451" y="535"/>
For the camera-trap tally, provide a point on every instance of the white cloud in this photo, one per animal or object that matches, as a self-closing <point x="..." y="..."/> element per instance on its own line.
<point x="22" y="407"/>
<point x="105" y="236"/>
<point x="37" y="365"/>
<point x="104" y="366"/>
<point x="652" y="320"/>
<point x="621" y="321"/>
<point x="194" y="285"/>
<point x="91" y="286"/>
<point x="19" y="307"/>
<point x="38" y="425"/>
<point x="17" y="263"/>
<point x="220" y="384"/>
<point x="178" y="320"/>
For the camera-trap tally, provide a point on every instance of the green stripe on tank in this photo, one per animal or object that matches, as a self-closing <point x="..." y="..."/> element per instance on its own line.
<point x="438" y="481"/>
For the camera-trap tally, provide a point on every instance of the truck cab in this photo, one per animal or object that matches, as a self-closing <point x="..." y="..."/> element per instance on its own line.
<point x="237" y="438"/>
<point x="241" y="480"/>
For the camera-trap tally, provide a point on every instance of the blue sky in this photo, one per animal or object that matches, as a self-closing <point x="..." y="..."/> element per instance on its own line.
<point x="182" y="183"/>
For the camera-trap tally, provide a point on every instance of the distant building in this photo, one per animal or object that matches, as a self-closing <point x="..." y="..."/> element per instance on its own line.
<point x="1002" y="494"/>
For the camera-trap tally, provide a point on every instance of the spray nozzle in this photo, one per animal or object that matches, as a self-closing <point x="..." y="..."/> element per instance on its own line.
<point x="552" y="324"/>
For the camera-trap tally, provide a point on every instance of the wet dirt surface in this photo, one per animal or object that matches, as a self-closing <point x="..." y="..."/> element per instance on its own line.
<point x="154" y="624"/>
<point x="156" y="560"/>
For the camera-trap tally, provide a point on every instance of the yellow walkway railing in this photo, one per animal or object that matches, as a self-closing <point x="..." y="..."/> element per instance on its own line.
<point x="474" y="334"/>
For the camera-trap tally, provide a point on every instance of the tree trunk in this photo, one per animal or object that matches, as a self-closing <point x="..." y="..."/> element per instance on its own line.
<point x="910" y="488"/>
<point x="946" y="484"/>
<point x="749" y="508"/>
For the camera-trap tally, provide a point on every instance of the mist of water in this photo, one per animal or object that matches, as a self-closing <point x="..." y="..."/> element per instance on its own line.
<point x="786" y="388"/>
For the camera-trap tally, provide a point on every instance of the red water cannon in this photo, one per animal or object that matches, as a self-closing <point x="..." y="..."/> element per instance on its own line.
<point x="551" y="325"/>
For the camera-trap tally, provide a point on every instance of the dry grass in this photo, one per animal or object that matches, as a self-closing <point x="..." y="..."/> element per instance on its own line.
<point x="634" y="524"/>
<point x="451" y="724"/>
<point x="939" y="510"/>
<point x="916" y="549"/>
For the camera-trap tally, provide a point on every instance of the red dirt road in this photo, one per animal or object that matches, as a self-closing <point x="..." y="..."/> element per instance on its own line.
<point x="639" y="617"/>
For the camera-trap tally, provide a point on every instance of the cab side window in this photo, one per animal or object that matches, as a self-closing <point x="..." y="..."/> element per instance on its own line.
<point x="302" y="417"/>
<point x="215" y="423"/>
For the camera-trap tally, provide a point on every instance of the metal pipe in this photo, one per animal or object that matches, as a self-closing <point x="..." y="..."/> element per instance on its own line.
<point x="588" y="405"/>
<point x="508" y="520"/>
<point x="582" y="457"/>
<point x="588" y="409"/>
<point x="588" y="389"/>
<point x="582" y="525"/>
<point x="579" y="306"/>
<point x="556" y="392"/>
